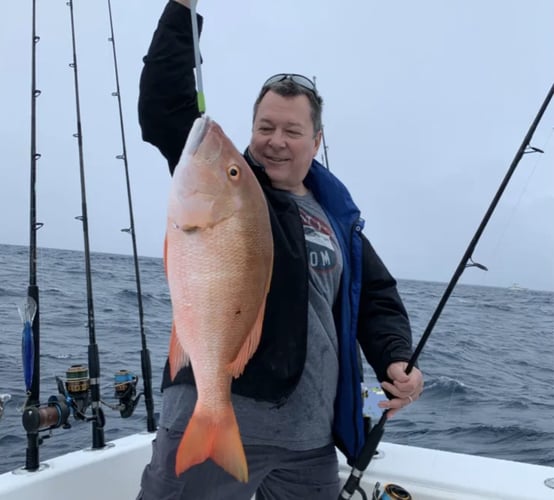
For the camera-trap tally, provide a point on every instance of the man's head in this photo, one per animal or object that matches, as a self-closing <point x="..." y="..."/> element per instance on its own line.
<point x="286" y="129"/>
<point x="292" y="85"/>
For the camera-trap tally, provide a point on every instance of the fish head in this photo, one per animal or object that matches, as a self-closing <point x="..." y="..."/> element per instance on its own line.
<point x="211" y="179"/>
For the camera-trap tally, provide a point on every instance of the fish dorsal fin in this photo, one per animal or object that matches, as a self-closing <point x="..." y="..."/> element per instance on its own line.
<point x="236" y="367"/>
<point x="177" y="355"/>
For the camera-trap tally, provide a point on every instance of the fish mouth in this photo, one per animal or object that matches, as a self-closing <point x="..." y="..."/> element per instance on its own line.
<point x="196" y="135"/>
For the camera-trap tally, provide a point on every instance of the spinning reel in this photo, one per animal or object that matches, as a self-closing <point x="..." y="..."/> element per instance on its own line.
<point x="75" y="398"/>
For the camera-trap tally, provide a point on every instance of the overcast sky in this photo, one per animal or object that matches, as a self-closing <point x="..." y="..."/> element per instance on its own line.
<point x="426" y="104"/>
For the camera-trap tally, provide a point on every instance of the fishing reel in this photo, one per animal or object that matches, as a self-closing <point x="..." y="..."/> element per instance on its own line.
<point x="73" y="397"/>
<point x="125" y="385"/>
<point x="45" y="417"/>
<point x="76" y="390"/>
<point x="390" y="492"/>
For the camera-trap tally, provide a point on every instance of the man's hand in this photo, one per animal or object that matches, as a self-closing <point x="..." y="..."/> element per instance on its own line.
<point x="406" y="388"/>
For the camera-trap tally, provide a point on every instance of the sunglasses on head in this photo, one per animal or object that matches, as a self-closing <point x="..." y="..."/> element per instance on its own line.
<point x="301" y="80"/>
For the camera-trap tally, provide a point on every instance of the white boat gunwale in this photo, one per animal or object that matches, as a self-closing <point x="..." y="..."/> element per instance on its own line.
<point x="114" y="472"/>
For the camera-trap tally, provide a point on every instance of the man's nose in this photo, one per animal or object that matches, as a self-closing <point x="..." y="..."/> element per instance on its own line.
<point x="277" y="139"/>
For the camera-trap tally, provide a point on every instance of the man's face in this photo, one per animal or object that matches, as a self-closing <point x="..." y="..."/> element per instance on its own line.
<point x="283" y="140"/>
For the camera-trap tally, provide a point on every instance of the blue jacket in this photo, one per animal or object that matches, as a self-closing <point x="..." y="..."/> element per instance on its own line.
<point x="382" y="313"/>
<point x="347" y="223"/>
<point x="368" y="310"/>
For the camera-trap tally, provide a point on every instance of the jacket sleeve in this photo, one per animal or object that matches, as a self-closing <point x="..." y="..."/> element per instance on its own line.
<point x="384" y="332"/>
<point x="167" y="105"/>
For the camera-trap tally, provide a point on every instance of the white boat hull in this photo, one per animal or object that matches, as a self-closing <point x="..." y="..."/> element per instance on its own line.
<point x="114" y="473"/>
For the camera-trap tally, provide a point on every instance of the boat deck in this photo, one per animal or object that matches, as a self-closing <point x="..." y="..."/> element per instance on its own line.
<point x="114" y="473"/>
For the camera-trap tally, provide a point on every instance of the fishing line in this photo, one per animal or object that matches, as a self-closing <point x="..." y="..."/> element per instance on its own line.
<point x="197" y="59"/>
<point x="376" y="433"/>
<point x="511" y="215"/>
<point x="98" y="419"/>
<point x="145" y="353"/>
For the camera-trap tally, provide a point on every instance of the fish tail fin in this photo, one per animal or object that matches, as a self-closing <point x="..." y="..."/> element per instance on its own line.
<point x="216" y="437"/>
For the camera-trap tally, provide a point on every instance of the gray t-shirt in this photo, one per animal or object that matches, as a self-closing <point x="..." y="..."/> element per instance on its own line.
<point x="304" y="421"/>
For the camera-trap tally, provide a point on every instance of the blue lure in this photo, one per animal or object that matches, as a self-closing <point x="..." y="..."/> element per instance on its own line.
<point x="27" y="313"/>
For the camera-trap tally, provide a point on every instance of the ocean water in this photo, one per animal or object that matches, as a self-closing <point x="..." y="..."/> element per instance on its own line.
<point x="488" y="365"/>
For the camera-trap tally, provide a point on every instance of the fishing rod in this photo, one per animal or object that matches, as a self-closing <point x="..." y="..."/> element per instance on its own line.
<point x="36" y="417"/>
<point x="30" y="311"/>
<point x="197" y="59"/>
<point x="128" y="401"/>
<point x="98" y="418"/>
<point x="323" y="137"/>
<point x="376" y="433"/>
<point x="79" y="390"/>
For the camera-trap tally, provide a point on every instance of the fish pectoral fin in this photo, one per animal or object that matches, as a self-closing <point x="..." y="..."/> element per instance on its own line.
<point x="177" y="355"/>
<point x="236" y="367"/>
<point x="214" y="436"/>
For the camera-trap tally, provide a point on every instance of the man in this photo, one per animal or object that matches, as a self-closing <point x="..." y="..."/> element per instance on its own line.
<point x="300" y="394"/>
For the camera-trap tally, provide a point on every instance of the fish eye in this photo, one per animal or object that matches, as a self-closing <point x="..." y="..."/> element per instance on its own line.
<point x="233" y="171"/>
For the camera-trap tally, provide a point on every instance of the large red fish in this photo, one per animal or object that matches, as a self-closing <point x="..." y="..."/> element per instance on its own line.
<point x="219" y="259"/>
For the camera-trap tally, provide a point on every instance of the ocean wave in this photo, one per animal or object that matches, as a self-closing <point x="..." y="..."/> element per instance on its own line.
<point x="498" y="434"/>
<point x="497" y="307"/>
<point x="162" y="295"/>
<point x="445" y="386"/>
<point x="10" y="440"/>
<point x="493" y="441"/>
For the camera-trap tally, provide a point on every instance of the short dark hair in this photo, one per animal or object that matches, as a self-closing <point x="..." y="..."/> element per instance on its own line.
<point x="289" y="88"/>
